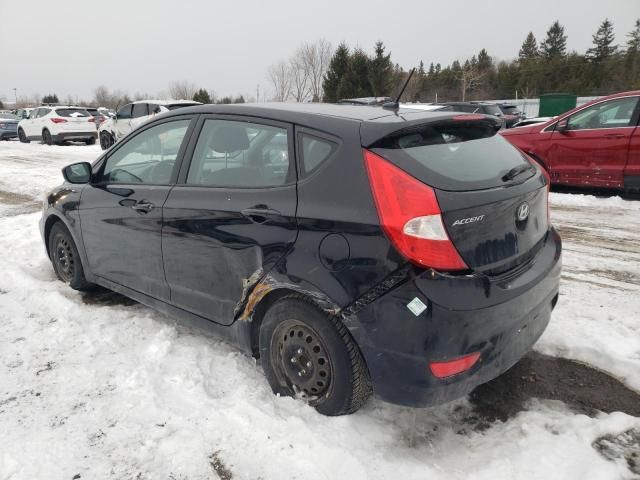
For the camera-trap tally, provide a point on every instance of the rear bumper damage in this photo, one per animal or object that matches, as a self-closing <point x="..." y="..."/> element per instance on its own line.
<point x="501" y="318"/>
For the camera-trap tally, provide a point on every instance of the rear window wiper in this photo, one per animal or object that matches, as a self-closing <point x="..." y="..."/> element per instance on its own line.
<point x="515" y="171"/>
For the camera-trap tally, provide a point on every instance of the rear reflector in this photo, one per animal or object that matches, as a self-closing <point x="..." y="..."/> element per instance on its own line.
<point x="410" y="216"/>
<point x="453" y="367"/>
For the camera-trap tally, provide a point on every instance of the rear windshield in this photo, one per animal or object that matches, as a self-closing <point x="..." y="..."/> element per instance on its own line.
<point x="509" y="109"/>
<point x="492" y="110"/>
<point x="454" y="155"/>
<point x="72" y="112"/>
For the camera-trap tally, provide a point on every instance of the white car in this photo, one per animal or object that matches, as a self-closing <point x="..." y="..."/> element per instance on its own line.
<point x="58" y="124"/>
<point x="132" y="115"/>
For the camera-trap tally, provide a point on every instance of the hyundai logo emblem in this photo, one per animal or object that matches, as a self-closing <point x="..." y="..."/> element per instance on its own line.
<point x="523" y="211"/>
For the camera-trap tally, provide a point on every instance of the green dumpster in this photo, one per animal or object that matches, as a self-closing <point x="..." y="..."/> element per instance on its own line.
<point x="552" y="104"/>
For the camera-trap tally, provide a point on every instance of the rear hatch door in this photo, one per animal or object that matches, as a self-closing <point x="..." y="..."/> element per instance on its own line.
<point x="493" y="199"/>
<point x="77" y="119"/>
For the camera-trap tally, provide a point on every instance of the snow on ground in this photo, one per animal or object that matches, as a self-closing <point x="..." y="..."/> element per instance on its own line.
<point x="103" y="388"/>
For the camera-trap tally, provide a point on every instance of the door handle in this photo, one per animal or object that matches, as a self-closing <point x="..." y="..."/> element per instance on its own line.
<point x="259" y="215"/>
<point x="614" y="135"/>
<point x="142" y="206"/>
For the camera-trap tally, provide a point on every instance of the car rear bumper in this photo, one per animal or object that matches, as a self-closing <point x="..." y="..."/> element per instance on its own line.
<point x="6" y="134"/>
<point x="63" y="136"/>
<point x="462" y="317"/>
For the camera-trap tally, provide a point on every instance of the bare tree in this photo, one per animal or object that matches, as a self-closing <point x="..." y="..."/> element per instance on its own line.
<point x="180" y="90"/>
<point x="300" y="81"/>
<point x="470" y="77"/>
<point x="315" y="58"/>
<point x="280" y="77"/>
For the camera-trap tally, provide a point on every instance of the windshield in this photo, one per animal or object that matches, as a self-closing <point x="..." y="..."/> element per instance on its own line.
<point x="453" y="155"/>
<point x="8" y="116"/>
<point x="492" y="110"/>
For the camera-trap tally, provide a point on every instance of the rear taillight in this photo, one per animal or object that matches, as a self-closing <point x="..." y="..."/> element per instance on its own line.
<point x="547" y="179"/>
<point x="58" y="120"/>
<point x="92" y="119"/>
<point x="410" y="216"/>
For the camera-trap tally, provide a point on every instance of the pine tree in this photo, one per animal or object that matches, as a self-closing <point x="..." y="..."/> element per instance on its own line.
<point x="555" y="45"/>
<point x="202" y="96"/>
<point x="337" y="69"/>
<point x="485" y="62"/>
<point x="529" y="48"/>
<point x="432" y="69"/>
<point x="50" y="98"/>
<point x="355" y="82"/>
<point x="633" y="44"/>
<point x="381" y="72"/>
<point x="603" y="46"/>
<point x="239" y="99"/>
<point x="421" y="72"/>
<point x="632" y="57"/>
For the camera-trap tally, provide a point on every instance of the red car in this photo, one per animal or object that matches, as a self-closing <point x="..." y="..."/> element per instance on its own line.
<point x="594" y="145"/>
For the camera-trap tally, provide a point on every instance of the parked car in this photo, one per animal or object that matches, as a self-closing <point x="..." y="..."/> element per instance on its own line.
<point x="98" y="116"/>
<point x="438" y="107"/>
<point x="132" y="115"/>
<point x="365" y="101"/>
<point x="8" y="126"/>
<point x="23" y="112"/>
<point x="511" y="114"/>
<point x="57" y="124"/>
<point x="532" y="121"/>
<point x="350" y="248"/>
<point x="485" y="108"/>
<point x="594" y="145"/>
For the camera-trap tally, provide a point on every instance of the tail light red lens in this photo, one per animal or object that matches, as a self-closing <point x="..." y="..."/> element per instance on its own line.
<point x="92" y="119"/>
<point x="455" y="366"/>
<point x="410" y="216"/>
<point x="58" y="120"/>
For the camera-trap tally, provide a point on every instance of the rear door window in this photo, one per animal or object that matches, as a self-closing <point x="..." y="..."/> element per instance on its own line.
<point x="453" y="155"/>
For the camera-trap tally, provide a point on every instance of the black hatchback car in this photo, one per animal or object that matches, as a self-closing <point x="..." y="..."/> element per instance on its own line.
<point x="352" y="249"/>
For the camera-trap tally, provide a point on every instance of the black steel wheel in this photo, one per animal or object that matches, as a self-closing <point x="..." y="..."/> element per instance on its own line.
<point x="46" y="137"/>
<point x="22" y="136"/>
<point x="301" y="359"/>
<point x="65" y="258"/>
<point x="309" y="354"/>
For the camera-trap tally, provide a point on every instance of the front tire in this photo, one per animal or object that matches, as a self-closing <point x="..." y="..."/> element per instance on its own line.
<point x="310" y="354"/>
<point x="46" y="137"/>
<point x="22" y="136"/>
<point x="106" y="140"/>
<point x="65" y="259"/>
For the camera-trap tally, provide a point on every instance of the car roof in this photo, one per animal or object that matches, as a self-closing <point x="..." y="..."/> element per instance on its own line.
<point x="167" y="102"/>
<point x="375" y="122"/>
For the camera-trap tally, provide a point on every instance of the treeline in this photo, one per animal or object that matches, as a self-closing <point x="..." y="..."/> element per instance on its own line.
<point x="544" y="67"/>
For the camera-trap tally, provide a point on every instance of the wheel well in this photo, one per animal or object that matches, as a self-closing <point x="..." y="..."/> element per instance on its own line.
<point x="260" y="310"/>
<point x="51" y="221"/>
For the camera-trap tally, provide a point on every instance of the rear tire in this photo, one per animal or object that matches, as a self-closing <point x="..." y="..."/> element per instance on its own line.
<point x="65" y="258"/>
<point x="22" y="137"/>
<point x="106" y="140"/>
<point x="308" y="353"/>
<point x="46" y="137"/>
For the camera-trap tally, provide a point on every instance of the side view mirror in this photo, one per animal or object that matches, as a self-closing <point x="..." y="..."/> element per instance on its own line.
<point x="77" y="172"/>
<point x="563" y="125"/>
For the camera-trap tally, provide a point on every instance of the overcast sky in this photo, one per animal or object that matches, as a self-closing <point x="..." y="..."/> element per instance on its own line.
<point x="71" y="46"/>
